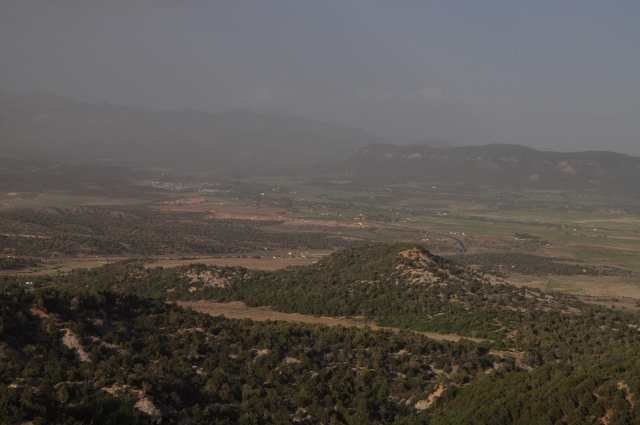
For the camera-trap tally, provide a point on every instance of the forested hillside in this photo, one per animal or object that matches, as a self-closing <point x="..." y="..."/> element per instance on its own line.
<point x="546" y="358"/>
<point x="104" y="358"/>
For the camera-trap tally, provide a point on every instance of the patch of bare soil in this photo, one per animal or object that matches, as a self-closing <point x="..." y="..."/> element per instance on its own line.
<point x="238" y="310"/>
<point x="517" y="355"/>
<point x="35" y="311"/>
<point x="425" y="404"/>
<point x="207" y="278"/>
<point x="414" y="254"/>
<point x="146" y="406"/>
<point x="143" y="403"/>
<point x="72" y="341"/>
<point x="116" y="349"/>
<point x="628" y="395"/>
<point x="262" y="352"/>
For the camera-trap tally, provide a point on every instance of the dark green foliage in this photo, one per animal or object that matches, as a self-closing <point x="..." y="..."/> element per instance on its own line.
<point x="550" y="359"/>
<point x="13" y="263"/>
<point x="553" y="393"/>
<point x="526" y="236"/>
<point x="198" y="368"/>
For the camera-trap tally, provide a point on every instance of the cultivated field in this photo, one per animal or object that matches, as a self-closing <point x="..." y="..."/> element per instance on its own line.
<point x="598" y="229"/>
<point x="273" y="261"/>
<point x="603" y="290"/>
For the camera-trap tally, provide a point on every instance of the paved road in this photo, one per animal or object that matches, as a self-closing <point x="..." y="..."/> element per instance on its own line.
<point x="464" y="248"/>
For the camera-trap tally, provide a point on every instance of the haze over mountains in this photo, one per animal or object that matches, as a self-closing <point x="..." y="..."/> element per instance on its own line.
<point x="495" y="165"/>
<point x="45" y="126"/>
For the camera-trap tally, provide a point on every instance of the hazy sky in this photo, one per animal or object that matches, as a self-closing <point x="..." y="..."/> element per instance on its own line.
<point x="555" y="75"/>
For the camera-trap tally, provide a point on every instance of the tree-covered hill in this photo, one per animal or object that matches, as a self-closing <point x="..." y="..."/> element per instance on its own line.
<point x="400" y="285"/>
<point x="99" y="357"/>
<point x="85" y="354"/>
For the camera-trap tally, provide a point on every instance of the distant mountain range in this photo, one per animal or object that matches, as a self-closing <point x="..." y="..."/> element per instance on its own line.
<point x="45" y="126"/>
<point x="40" y="125"/>
<point x="435" y="143"/>
<point x="493" y="165"/>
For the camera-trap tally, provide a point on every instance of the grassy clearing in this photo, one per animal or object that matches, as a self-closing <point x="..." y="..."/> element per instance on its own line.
<point x="238" y="310"/>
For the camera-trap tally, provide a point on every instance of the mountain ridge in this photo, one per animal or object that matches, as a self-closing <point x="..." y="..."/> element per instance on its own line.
<point x="46" y="126"/>
<point x="42" y="125"/>
<point x="499" y="165"/>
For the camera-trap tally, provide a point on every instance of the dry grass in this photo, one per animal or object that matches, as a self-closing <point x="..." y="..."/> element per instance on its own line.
<point x="267" y="262"/>
<point x="238" y="310"/>
<point x="264" y="263"/>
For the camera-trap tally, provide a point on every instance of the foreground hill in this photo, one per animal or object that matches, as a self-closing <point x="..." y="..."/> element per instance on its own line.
<point x="42" y="125"/>
<point x="107" y="358"/>
<point x="103" y="356"/>
<point x="508" y="166"/>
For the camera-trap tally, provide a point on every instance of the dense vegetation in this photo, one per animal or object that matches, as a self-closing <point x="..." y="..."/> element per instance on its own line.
<point x="106" y="345"/>
<point x="16" y="263"/>
<point x="103" y="358"/>
<point x="98" y="231"/>
<point x="554" y="360"/>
